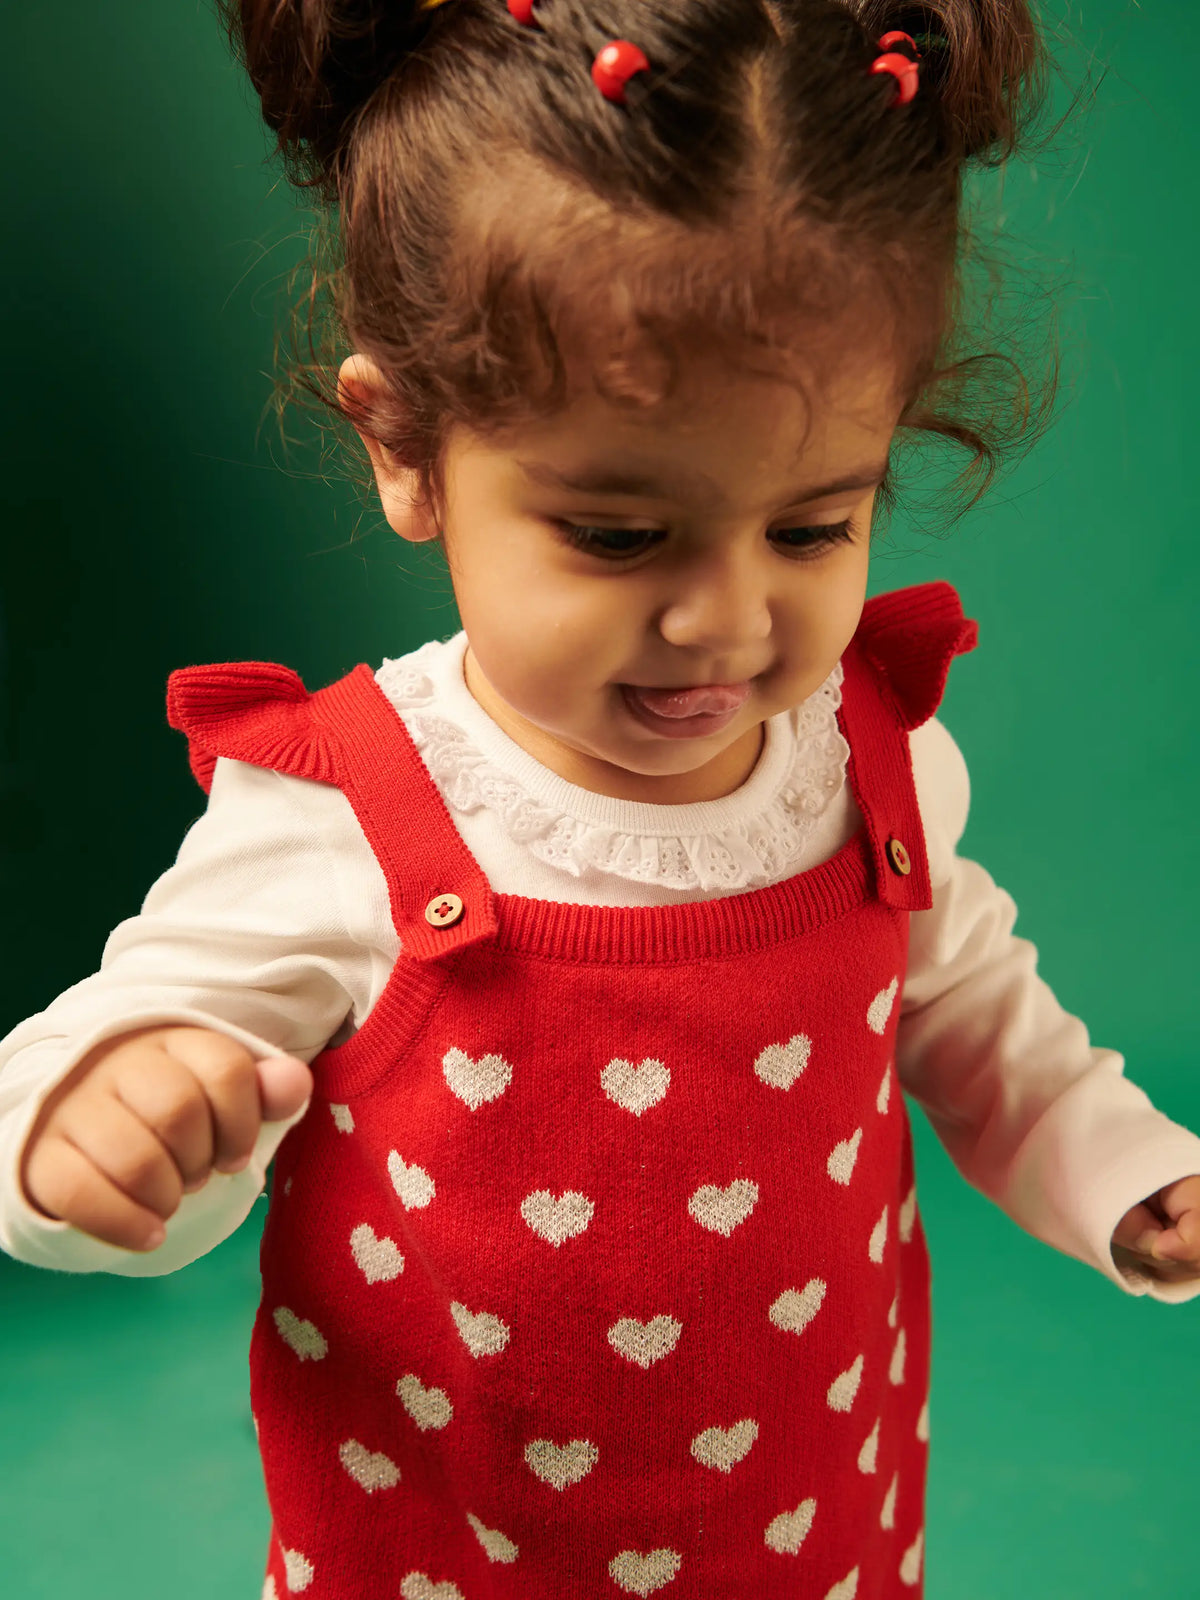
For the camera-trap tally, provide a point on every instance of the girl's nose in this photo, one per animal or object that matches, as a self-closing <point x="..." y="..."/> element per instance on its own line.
<point x="720" y="605"/>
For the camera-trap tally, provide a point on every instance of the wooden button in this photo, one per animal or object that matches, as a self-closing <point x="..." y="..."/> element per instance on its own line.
<point x="443" y="910"/>
<point x="898" y="856"/>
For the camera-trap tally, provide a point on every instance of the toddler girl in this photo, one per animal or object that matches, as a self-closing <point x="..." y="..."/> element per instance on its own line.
<point x="569" y="970"/>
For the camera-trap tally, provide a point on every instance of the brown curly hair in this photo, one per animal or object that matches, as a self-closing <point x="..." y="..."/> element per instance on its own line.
<point x="496" y="230"/>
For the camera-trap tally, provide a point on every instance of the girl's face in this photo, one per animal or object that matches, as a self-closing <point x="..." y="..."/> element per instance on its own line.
<point x="709" y="543"/>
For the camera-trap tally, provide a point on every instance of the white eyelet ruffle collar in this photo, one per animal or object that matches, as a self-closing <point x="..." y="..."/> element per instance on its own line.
<point x="746" y="839"/>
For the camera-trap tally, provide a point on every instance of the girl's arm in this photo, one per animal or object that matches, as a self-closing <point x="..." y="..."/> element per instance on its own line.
<point x="1035" y="1117"/>
<point x="245" y="934"/>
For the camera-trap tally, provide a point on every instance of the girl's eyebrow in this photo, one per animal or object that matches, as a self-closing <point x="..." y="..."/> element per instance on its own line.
<point x="598" y="478"/>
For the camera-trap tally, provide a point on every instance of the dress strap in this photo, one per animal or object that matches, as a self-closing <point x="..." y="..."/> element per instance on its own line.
<point x="349" y="735"/>
<point x="894" y="676"/>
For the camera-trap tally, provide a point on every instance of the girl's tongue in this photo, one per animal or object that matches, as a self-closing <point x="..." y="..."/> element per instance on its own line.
<point x="709" y="699"/>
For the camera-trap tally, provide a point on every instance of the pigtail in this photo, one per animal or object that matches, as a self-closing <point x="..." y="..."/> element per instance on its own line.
<point x="316" y="64"/>
<point x="985" y="63"/>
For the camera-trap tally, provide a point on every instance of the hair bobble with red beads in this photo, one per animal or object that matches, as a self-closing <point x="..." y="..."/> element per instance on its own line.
<point x="620" y="59"/>
<point x="613" y="66"/>
<point x="905" y="70"/>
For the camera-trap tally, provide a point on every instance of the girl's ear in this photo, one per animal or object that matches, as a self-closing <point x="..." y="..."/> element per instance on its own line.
<point x="360" y="381"/>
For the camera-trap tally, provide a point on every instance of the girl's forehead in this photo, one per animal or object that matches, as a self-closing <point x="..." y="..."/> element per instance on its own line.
<point x="741" y="446"/>
<point x="714" y="403"/>
<point x="705" y="480"/>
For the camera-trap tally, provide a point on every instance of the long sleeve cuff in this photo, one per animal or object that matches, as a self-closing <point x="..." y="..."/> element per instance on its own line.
<point x="1097" y="1151"/>
<point x="202" y="1220"/>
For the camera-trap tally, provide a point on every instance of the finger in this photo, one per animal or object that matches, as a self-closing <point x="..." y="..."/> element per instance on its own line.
<point x="284" y="1084"/>
<point x="1178" y="1198"/>
<point x="224" y="1070"/>
<point x="164" y="1095"/>
<point x="121" y="1147"/>
<point x="67" y="1186"/>
<point x="1134" y="1226"/>
<point x="1181" y="1243"/>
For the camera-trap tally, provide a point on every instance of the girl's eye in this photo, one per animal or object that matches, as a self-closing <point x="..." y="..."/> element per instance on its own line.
<point x="610" y="544"/>
<point x="812" y="541"/>
<point x="616" y="544"/>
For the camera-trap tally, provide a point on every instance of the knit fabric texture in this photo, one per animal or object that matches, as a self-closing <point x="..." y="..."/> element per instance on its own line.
<point x="595" y="1267"/>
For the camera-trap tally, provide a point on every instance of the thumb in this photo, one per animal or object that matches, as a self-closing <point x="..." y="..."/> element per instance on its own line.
<point x="284" y="1084"/>
<point x="1135" y="1226"/>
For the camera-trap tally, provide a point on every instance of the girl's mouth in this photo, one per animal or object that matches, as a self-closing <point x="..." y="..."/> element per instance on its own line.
<point x="684" y="713"/>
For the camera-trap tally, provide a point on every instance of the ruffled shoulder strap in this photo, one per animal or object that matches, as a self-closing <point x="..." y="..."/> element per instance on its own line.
<point x="252" y="711"/>
<point x="910" y="636"/>
<point x="346" y="734"/>
<point x="895" y="674"/>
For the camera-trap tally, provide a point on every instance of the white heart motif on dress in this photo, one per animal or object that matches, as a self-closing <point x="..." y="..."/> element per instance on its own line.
<point x="896" y="1370"/>
<point x="867" y="1455"/>
<point x="413" y="1184"/>
<point x="556" y="1219"/>
<point x="370" y="1469"/>
<point x="481" y="1332"/>
<point x="781" y="1064"/>
<point x="893" y="1309"/>
<point x="723" y="1448"/>
<point x="923" y="1424"/>
<point x="270" y="1592"/>
<point x="878" y="1238"/>
<point x="561" y="1464"/>
<point x="788" y="1531"/>
<point x="476" y="1082"/>
<point x="880" y="1008"/>
<point x="846" y="1589"/>
<point x="645" y="1342"/>
<point x="885" y="1090"/>
<point x="887" y="1516"/>
<point x="418" y="1587"/>
<point x="495" y="1546"/>
<point x="429" y="1408"/>
<point x="843" y="1156"/>
<point x="910" y="1563"/>
<point x="343" y="1118"/>
<point x="908" y="1215"/>
<point x="298" y="1570"/>
<point x="721" y="1210"/>
<point x="304" y="1337"/>
<point x="841" y="1392"/>
<point x="635" y="1088"/>
<point x="379" y="1259"/>
<point x="642" y="1574"/>
<point x="795" y="1308"/>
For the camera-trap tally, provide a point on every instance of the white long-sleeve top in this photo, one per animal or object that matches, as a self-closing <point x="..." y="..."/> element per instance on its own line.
<point x="273" y="927"/>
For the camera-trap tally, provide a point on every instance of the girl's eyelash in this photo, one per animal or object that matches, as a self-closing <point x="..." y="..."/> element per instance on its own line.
<point x="588" y="539"/>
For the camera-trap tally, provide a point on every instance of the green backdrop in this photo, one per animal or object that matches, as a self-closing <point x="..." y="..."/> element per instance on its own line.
<point x="148" y="525"/>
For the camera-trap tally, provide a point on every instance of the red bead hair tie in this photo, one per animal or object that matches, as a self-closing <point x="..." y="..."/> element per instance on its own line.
<point x="614" y="66"/>
<point x="905" y="71"/>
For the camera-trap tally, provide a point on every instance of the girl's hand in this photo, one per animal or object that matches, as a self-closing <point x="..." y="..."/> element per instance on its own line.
<point x="146" y="1118"/>
<point x="1161" y="1236"/>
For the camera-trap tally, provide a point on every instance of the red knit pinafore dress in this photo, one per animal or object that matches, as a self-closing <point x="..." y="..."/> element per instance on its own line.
<point x="594" y="1268"/>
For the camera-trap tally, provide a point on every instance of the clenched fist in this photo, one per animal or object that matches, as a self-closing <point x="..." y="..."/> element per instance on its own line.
<point x="148" y="1117"/>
